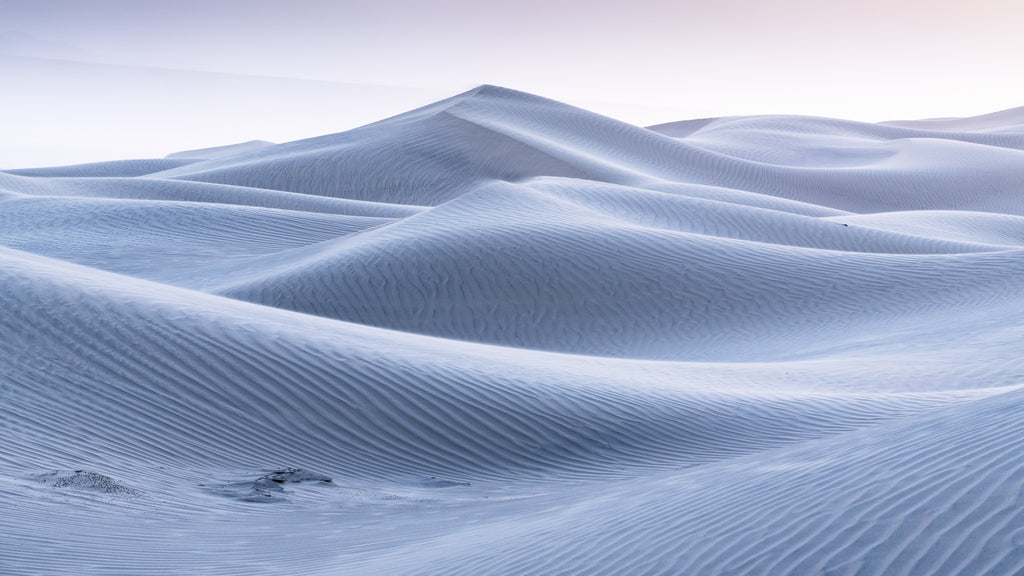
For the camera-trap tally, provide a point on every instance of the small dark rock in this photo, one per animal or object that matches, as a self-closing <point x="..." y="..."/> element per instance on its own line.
<point x="86" y="481"/>
<point x="270" y="487"/>
<point x="295" y="475"/>
<point x="435" y="482"/>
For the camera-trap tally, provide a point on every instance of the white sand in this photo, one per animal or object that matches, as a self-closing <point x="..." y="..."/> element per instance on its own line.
<point x="521" y="338"/>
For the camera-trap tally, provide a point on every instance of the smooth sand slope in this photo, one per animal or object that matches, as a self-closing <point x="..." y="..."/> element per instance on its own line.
<point x="502" y="335"/>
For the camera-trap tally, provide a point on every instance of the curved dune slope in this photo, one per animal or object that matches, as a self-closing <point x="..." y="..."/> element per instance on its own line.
<point x="501" y="335"/>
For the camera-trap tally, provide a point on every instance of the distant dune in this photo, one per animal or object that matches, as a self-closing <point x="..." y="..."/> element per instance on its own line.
<point x="1003" y="121"/>
<point x="75" y="110"/>
<point x="221" y="151"/>
<point x="502" y="335"/>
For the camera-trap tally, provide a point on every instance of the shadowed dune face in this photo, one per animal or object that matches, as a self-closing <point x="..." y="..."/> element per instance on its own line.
<point x="502" y="335"/>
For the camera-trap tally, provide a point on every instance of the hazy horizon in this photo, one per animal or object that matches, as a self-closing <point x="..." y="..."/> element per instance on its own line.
<point x="655" y="62"/>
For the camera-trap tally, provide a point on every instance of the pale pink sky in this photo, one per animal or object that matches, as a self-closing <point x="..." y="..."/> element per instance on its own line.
<point x="658" y="60"/>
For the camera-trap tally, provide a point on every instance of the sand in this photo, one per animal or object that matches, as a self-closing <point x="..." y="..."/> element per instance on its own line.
<point x="502" y="335"/>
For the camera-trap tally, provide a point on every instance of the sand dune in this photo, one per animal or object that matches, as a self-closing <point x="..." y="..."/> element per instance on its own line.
<point x="64" y="103"/>
<point x="502" y="335"/>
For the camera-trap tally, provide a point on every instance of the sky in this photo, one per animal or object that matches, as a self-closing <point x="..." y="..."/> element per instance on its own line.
<point x="275" y="70"/>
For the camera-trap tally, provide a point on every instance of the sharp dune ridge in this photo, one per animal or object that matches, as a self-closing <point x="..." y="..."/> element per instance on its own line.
<point x="503" y="335"/>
